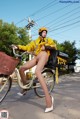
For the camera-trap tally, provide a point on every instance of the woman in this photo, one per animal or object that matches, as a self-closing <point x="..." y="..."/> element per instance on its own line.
<point x="41" y="49"/>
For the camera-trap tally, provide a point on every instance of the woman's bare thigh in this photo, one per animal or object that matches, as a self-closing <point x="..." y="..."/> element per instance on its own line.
<point x="31" y="63"/>
<point x="42" y="59"/>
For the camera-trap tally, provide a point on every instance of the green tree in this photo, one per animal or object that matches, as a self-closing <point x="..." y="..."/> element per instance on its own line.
<point x="70" y="49"/>
<point x="10" y="34"/>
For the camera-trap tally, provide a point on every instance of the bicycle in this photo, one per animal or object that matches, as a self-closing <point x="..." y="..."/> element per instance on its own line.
<point x="6" y="80"/>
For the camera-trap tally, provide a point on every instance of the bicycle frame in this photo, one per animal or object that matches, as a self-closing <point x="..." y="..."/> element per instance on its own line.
<point x="30" y="84"/>
<point x="27" y="86"/>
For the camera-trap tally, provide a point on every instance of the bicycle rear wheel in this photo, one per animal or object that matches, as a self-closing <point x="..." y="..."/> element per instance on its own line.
<point x="5" y="85"/>
<point x="49" y="78"/>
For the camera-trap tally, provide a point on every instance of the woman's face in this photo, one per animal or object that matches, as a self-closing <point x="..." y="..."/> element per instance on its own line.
<point x="44" y="33"/>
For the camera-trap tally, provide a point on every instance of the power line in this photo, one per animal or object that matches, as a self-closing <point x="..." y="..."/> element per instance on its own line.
<point x="56" y="11"/>
<point x="58" y="19"/>
<point x="67" y="21"/>
<point x="47" y="15"/>
<point x="43" y="8"/>
<point x="40" y="10"/>
<point x="62" y="27"/>
<point x="59" y="10"/>
<point x="66" y="30"/>
<point x="65" y="26"/>
<point x="20" y="21"/>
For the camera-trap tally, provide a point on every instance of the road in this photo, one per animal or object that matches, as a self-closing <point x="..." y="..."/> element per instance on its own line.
<point x="66" y="104"/>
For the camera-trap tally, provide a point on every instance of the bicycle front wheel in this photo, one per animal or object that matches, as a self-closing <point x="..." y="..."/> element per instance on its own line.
<point x="49" y="78"/>
<point x="5" y="85"/>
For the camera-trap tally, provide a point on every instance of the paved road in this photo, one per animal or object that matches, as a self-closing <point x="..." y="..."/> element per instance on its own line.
<point x="66" y="95"/>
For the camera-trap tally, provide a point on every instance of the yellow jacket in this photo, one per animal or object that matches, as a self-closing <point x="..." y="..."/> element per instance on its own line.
<point x="35" y="45"/>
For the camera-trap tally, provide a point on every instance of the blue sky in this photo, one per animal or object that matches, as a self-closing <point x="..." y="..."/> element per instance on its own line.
<point x="61" y="17"/>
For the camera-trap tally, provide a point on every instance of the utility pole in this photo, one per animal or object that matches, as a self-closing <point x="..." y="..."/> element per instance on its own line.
<point x="30" y="24"/>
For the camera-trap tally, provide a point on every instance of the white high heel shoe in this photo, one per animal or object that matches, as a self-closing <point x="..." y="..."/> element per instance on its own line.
<point x="50" y="108"/>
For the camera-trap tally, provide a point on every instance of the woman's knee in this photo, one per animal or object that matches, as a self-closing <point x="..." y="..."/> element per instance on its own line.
<point x="22" y="69"/>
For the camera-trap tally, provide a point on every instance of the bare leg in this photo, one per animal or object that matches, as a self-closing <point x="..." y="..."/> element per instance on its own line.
<point x="25" y="67"/>
<point x="42" y="60"/>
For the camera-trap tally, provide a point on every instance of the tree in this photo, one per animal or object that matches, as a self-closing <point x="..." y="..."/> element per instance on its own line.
<point x="70" y="49"/>
<point x="10" y="34"/>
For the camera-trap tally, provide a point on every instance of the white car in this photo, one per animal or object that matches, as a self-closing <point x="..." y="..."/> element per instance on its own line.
<point x="77" y="65"/>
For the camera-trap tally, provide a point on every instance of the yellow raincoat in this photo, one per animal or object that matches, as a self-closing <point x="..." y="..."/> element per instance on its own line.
<point x="35" y="45"/>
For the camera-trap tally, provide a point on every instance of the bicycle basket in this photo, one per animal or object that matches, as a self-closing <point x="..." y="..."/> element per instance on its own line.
<point x="7" y="64"/>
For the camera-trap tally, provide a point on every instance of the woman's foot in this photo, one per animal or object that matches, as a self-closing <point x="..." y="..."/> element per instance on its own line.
<point x="49" y="109"/>
<point x="23" y="92"/>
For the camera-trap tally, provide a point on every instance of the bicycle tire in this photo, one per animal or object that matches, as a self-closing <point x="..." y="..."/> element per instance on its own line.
<point x="49" y="78"/>
<point x="5" y="85"/>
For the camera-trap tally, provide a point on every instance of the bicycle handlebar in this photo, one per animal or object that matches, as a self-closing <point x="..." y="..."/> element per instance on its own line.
<point x="18" y="55"/>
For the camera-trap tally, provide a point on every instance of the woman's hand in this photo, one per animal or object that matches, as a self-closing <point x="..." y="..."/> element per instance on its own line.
<point x="14" y="46"/>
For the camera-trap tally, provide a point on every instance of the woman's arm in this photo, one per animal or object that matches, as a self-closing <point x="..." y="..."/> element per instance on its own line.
<point x="28" y="47"/>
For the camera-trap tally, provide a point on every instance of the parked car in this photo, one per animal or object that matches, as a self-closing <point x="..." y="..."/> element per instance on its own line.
<point x="77" y="65"/>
